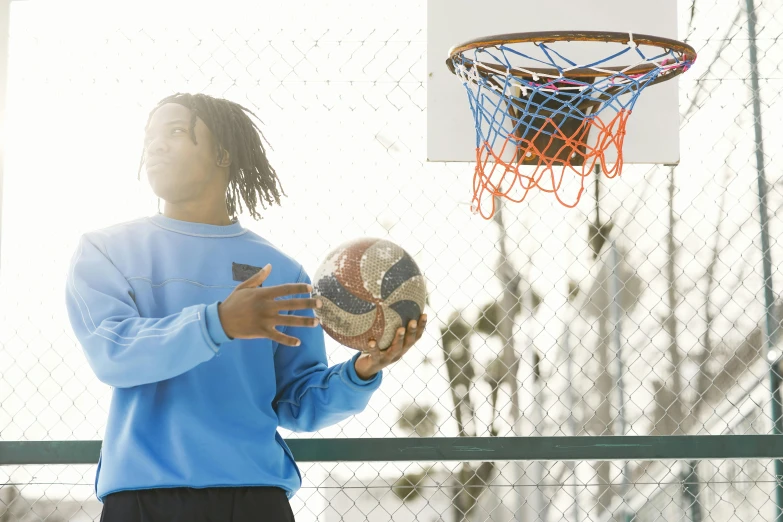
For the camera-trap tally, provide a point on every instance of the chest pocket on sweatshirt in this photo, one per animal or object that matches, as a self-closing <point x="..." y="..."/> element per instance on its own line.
<point x="242" y="273"/>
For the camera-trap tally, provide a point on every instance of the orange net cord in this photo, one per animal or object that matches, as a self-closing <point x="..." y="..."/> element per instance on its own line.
<point x="495" y="177"/>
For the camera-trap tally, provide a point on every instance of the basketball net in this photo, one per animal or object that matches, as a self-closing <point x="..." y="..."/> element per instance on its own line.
<point x="548" y="131"/>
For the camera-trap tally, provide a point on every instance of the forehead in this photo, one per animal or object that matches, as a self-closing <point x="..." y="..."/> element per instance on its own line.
<point x="168" y="113"/>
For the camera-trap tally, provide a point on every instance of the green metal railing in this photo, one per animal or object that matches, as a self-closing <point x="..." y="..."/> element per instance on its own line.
<point x="459" y="449"/>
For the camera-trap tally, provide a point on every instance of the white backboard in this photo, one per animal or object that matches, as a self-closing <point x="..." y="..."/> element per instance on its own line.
<point x="653" y="128"/>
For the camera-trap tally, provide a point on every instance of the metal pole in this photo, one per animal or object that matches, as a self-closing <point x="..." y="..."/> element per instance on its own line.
<point x="616" y="312"/>
<point x="5" y="16"/>
<point x="571" y="404"/>
<point x="772" y="355"/>
<point x="503" y="265"/>
<point x="690" y="483"/>
<point x="536" y="468"/>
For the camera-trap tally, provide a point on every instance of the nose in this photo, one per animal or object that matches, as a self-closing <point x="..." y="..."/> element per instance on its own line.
<point x="156" y="146"/>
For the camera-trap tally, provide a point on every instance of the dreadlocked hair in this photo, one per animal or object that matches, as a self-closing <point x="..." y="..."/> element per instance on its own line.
<point x="251" y="178"/>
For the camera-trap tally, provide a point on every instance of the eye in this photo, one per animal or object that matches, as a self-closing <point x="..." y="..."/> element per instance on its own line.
<point x="176" y="130"/>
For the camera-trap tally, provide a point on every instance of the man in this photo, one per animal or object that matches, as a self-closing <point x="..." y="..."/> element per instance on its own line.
<point x="207" y="333"/>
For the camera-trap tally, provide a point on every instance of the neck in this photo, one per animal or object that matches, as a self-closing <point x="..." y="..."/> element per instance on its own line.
<point x="198" y="212"/>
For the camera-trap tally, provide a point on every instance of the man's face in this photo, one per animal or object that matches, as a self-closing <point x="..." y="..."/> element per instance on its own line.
<point x="179" y="170"/>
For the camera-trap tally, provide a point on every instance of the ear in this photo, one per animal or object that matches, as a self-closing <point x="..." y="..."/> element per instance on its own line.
<point x="223" y="157"/>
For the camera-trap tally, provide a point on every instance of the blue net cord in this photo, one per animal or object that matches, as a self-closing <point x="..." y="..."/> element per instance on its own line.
<point x="539" y="128"/>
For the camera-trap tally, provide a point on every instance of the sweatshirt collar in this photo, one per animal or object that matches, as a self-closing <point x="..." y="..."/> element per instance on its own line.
<point x="197" y="229"/>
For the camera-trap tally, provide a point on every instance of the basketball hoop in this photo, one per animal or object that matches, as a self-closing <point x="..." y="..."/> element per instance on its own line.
<point x="545" y="121"/>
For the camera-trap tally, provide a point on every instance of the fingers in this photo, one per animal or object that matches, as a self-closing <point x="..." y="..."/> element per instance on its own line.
<point x="398" y="346"/>
<point x="256" y="279"/>
<point x="422" y="326"/>
<point x="410" y="334"/>
<point x="291" y="320"/>
<point x="372" y="350"/>
<point x="274" y="292"/>
<point x="298" y="304"/>
<point x="399" y="336"/>
<point x="297" y="320"/>
<point x="383" y="358"/>
<point x="395" y="344"/>
<point x="285" y="340"/>
<point x="404" y="339"/>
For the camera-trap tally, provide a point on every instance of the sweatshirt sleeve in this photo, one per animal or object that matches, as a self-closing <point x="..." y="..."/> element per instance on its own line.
<point x="123" y="348"/>
<point x="310" y="394"/>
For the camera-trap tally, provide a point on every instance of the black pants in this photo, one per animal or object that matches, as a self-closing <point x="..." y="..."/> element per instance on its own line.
<point x="240" y="504"/>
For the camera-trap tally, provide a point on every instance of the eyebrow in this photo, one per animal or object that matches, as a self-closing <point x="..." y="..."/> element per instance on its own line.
<point x="173" y="122"/>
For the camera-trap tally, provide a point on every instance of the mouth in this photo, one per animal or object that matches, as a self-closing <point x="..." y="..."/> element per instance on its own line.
<point x="155" y="165"/>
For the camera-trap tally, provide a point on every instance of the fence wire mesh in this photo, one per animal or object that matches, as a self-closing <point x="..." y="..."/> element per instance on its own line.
<point x="725" y="491"/>
<point x="523" y="338"/>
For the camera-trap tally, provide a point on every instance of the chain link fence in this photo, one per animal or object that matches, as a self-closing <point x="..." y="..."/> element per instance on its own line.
<point x="523" y="339"/>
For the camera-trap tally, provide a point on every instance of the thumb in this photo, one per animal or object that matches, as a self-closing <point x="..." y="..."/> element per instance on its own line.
<point x="256" y="279"/>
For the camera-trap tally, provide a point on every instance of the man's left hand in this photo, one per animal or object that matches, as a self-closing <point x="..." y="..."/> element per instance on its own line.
<point x="373" y="359"/>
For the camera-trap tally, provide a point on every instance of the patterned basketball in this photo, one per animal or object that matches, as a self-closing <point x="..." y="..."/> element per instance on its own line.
<point x="369" y="288"/>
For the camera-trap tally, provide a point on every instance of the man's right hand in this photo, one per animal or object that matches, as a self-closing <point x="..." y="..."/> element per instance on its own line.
<point x="250" y="312"/>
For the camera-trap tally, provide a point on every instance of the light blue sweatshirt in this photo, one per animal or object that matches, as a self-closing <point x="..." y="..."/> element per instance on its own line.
<point x="191" y="407"/>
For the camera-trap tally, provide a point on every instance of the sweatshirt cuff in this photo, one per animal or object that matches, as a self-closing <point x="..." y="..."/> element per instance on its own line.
<point x="214" y="327"/>
<point x="349" y="371"/>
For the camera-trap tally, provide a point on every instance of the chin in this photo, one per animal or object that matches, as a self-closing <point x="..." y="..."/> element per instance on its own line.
<point x="171" y="193"/>
<point x="161" y="180"/>
<point x="166" y="191"/>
